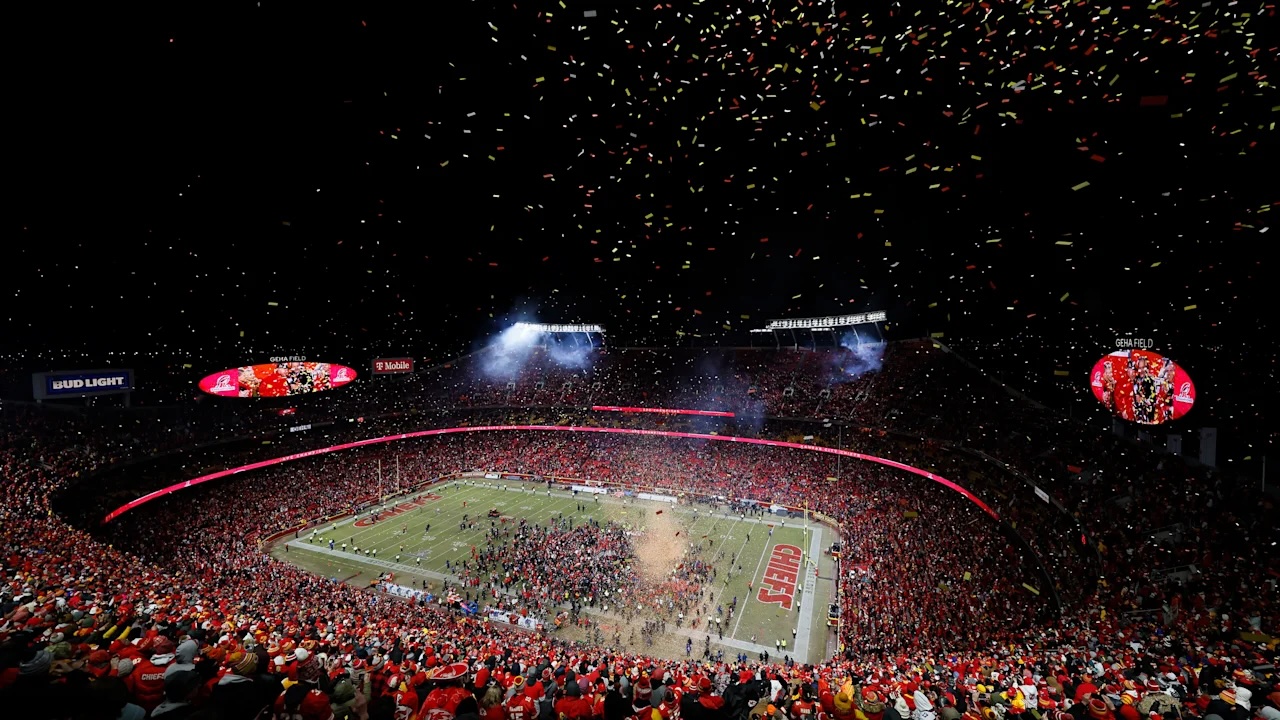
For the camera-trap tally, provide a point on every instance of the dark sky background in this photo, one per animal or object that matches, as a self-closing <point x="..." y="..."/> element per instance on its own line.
<point x="364" y="182"/>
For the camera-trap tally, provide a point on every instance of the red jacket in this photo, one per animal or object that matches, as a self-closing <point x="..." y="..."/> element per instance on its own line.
<point x="520" y="707"/>
<point x="573" y="708"/>
<point x="146" y="683"/>
<point x="314" y="706"/>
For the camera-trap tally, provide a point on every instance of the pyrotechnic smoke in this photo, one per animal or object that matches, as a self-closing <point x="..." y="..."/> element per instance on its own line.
<point x="515" y="347"/>
<point x="865" y="355"/>
<point x="571" y="351"/>
<point x="505" y="357"/>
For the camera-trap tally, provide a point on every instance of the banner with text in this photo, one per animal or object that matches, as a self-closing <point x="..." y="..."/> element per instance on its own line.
<point x="392" y="366"/>
<point x="81" y="383"/>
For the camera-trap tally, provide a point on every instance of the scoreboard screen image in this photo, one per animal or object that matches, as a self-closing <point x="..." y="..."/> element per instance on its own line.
<point x="1142" y="386"/>
<point x="280" y="379"/>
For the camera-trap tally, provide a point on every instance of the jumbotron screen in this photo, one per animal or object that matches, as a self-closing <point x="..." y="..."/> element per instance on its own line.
<point x="279" y="379"/>
<point x="1142" y="386"/>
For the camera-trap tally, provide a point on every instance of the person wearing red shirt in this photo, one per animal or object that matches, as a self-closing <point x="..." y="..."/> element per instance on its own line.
<point x="572" y="706"/>
<point x="805" y="707"/>
<point x="302" y="701"/>
<point x="597" y="705"/>
<point x="406" y="702"/>
<point x="521" y="707"/>
<point x="443" y="701"/>
<point x="1085" y="688"/>
<point x="491" y="704"/>
<point x="272" y="383"/>
<point x="146" y="682"/>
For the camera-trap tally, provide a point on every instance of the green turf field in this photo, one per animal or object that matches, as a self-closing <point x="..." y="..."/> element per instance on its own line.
<point x="782" y="600"/>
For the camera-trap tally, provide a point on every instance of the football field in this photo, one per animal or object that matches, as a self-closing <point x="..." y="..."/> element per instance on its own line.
<point x="766" y="562"/>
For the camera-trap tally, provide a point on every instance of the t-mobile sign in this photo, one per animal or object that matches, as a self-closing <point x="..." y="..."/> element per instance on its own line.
<point x="392" y="366"/>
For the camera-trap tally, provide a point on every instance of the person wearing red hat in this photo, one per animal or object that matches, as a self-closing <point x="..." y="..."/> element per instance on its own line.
<point x="1128" y="706"/>
<point x="599" y="691"/>
<point x="99" y="664"/>
<point x="572" y="706"/>
<point x="870" y="704"/>
<point x="406" y="701"/>
<point x="1099" y="709"/>
<point x="1085" y="689"/>
<point x="641" y="693"/>
<point x="443" y="700"/>
<point x="146" y="682"/>
<point x="701" y="703"/>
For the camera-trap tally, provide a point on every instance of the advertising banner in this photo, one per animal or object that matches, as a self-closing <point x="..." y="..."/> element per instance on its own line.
<point x="659" y="498"/>
<point x="528" y="623"/>
<point x="590" y="489"/>
<point x="392" y="366"/>
<point x="81" y="383"/>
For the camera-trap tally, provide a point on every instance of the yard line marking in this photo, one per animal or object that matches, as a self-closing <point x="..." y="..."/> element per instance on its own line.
<point x="767" y="543"/>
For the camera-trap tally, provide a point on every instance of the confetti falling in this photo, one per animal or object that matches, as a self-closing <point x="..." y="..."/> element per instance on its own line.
<point x="1023" y="180"/>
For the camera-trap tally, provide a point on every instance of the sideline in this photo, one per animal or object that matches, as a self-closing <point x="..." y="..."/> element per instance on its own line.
<point x="156" y="494"/>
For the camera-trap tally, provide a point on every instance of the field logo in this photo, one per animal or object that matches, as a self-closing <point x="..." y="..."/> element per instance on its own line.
<point x="780" y="576"/>
<point x="1184" y="393"/>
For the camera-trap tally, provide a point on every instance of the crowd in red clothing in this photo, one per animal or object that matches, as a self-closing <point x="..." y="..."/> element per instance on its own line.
<point x="179" y="615"/>
<point x="828" y="382"/>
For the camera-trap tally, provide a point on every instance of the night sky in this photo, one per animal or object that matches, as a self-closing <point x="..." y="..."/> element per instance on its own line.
<point x="1029" y="180"/>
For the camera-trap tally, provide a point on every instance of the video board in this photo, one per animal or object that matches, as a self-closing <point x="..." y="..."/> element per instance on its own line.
<point x="277" y="379"/>
<point x="1142" y="386"/>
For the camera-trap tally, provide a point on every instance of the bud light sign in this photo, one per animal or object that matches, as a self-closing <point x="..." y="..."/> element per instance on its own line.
<point x="81" y="383"/>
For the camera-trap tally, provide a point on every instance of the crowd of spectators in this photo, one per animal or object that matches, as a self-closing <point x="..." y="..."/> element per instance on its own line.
<point x="838" y="383"/>
<point x="177" y="612"/>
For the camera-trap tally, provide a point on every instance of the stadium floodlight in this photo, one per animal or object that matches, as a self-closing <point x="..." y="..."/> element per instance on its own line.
<point x="542" y="327"/>
<point x="824" y="323"/>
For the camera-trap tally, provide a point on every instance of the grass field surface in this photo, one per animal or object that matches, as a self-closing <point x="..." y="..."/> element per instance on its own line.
<point x="780" y="597"/>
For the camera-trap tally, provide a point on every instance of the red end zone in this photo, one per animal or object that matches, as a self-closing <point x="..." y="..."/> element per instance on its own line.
<point x="549" y="428"/>
<point x="780" y="576"/>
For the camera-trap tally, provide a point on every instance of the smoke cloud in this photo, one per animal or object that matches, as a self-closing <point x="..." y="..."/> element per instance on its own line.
<point x="516" y="347"/>
<point x="865" y="355"/>
<point x="571" y="351"/>
<point x="510" y="352"/>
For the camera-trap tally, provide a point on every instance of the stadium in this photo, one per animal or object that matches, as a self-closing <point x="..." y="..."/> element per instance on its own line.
<point x="706" y="361"/>
<point x="493" y="523"/>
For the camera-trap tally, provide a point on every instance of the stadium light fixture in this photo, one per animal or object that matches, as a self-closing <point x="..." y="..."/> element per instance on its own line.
<point x="542" y="327"/>
<point x="824" y="323"/>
